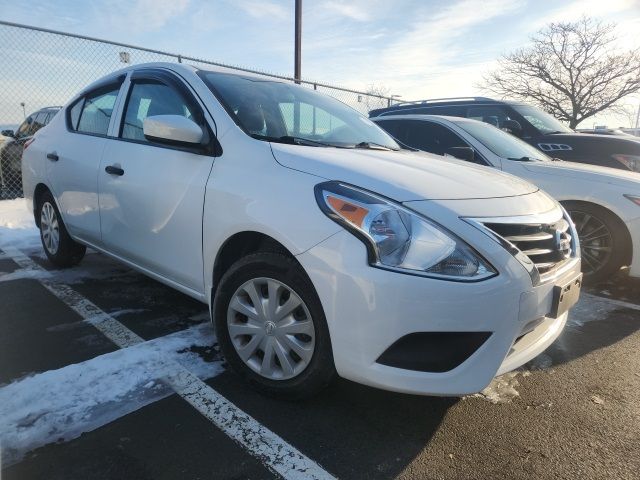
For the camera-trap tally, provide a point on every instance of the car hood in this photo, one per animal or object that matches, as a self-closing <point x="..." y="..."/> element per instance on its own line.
<point x="614" y="143"/>
<point x="585" y="171"/>
<point x="402" y="175"/>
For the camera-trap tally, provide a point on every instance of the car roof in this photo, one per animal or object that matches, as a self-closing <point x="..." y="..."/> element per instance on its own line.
<point x="423" y="118"/>
<point x="46" y="110"/>
<point x="441" y="102"/>
<point x="174" y="67"/>
<point x="185" y="67"/>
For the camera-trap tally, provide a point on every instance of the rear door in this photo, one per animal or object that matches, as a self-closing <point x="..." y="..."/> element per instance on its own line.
<point x="73" y="159"/>
<point x="151" y="211"/>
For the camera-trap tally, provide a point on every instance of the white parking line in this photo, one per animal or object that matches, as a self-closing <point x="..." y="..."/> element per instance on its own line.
<point x="612" y="301"/>
<point x="272" y="450"/>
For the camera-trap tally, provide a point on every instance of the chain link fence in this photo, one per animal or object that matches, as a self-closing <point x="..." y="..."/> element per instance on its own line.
<point x="41" y="69"/>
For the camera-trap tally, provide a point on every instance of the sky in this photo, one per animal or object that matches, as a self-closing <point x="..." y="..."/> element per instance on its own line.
<point x="416" y="49"/>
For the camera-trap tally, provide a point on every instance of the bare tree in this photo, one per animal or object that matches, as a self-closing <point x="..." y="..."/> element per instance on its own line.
<point x="571" y="70"/>
<point x="373" y="93"/>
<point x="627" y="113"/>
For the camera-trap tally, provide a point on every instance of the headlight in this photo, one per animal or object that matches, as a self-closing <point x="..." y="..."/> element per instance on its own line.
<point x="400" y="239"/>
<point x="632" y="162"/>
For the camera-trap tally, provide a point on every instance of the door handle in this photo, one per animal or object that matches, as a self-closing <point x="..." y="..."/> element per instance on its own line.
<point x="113" y="170"/>
<point x="53" y="156"/>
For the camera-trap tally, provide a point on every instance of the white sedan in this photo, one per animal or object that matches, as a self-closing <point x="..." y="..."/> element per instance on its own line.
<point x="603" y="202"/>
<point x="319" y="246"/>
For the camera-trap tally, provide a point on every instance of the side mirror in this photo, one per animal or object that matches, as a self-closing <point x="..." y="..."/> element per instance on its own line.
<point x="513" y="127"/>
<point x="467" y="154"/>
<point x="8" y="133"/>
<point x="172" y="129"/>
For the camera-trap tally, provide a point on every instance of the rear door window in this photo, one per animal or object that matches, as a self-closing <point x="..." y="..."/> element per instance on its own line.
<point x="431" y="137"/>
<point x="96" y="111"/>
<point x="392" y="127"/>
<point x="25" y="126"/>
<point x="38" y="122"/>
<point x="50" y="116"/>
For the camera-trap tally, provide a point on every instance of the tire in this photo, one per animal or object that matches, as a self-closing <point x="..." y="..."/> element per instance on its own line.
<point x="603" y="243"/>
<point x="59" y="247"/>
<point x="273" y="276"/>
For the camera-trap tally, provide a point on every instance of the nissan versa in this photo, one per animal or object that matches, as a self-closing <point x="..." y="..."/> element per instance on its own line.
<point x="319" y="246"/>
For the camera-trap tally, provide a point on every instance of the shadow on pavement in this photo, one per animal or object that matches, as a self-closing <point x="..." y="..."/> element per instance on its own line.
<point x="578" y="340"/>
<point x="620" y="287"/>
<point x="352" y="430"/>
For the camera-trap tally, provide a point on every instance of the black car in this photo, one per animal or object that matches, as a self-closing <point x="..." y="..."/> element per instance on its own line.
<point x="607" y="131"/>
<point x="11" y="150"/>
<point x="533" y="126"/>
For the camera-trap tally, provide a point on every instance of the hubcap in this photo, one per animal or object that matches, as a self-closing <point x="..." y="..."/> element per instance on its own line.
<point x="271" y="328"/>
<point x="596" y="241"/>
<point x="49" y="228"/>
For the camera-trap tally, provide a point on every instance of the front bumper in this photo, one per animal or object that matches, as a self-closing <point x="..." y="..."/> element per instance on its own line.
<point x="369" y="309"/>
<point x="634" y="230"/>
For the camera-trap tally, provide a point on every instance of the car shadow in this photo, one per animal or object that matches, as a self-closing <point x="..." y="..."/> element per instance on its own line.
<point x="596" y="322"/>
<point x="620" y="287"/>
<point x="351" y="430"/>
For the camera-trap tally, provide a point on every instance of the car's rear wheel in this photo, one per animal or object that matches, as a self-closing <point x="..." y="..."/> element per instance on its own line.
<point x="271" y="327"/>
<point x="602" y="240"/>
<point x="59" y="247"/>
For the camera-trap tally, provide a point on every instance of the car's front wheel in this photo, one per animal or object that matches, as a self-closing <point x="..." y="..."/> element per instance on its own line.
<point x="59" y="247"/>
<point x="602" y="241"/>
<point x="271" y="326"/>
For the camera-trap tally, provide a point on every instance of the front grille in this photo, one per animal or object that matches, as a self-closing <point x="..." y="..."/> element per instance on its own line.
<point x="548" y="245"/>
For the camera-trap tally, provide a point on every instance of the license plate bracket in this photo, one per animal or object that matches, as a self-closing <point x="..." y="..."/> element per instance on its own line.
<point x="565" y="296"/>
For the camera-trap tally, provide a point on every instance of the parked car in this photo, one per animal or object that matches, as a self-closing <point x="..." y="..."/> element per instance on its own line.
<point x="319" y="245"/>
<point x="603" y="202"/>
<point x="607" y="131"/>
<point x="533" y="126"/>
<point x="11" y="149"/>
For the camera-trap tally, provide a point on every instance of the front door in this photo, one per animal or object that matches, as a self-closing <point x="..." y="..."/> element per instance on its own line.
<point x="151" y="207"/>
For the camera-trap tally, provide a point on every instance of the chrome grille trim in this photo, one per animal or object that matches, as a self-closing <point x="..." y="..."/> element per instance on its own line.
<point x="545" y="244"/>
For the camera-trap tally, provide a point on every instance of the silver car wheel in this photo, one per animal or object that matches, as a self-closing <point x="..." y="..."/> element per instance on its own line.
<point x="49" y="228"/>
<point x="271" y="328"/>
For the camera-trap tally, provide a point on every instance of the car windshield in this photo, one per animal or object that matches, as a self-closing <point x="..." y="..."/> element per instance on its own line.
<point x="544" y="122"/>
<point x="501" y="143"/>
<point x="284" y="112"/>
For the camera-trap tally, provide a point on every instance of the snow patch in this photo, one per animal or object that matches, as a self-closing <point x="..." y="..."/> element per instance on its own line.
<point x="16" y="224"/>
<point x="502" y="389"/>
<point x="60" y="405"/>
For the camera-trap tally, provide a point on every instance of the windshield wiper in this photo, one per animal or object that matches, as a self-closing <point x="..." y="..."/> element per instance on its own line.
<point x="373" y="146"/>
<point x="304" y="141"/>
<point x="525" y="159"/>
<point x="293" y="140"/>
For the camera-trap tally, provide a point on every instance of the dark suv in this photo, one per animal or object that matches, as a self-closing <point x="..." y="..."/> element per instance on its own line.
<point x="533" y="126"/>
<point x="11" y="150"/>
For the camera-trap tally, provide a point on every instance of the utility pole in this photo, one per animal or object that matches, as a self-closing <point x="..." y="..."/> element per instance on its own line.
<point x="638" y="116"/>
<point x="298" y="43"/>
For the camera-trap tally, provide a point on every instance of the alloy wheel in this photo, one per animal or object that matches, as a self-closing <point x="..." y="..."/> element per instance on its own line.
<point x="271" y="328"/>
<point x="596" y="241"/>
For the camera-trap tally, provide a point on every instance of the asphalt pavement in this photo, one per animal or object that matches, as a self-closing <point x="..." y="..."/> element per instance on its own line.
<point x="107" y="374"/>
